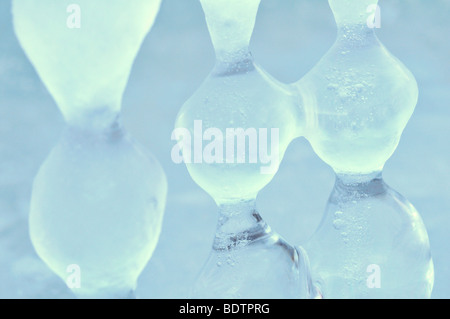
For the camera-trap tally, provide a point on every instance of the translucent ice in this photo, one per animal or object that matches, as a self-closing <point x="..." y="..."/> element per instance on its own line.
<point x="85" y="69"/>
<point x="238" y="94"/>
<point x="361" y="97"/>
<point x="98" y="199"/>
<point x="248" y="259"/>
<point x="247" y="99"/>
<point x="377" y="245"/>
<point x="98" y="203"/>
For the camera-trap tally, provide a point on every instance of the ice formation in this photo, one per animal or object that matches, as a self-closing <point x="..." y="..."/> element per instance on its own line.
<point x="98" y="199"/>
<point x="361" y="98"/>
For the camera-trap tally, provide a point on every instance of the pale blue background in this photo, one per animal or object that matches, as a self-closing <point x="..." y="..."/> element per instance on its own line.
<point x="290" y="37"/>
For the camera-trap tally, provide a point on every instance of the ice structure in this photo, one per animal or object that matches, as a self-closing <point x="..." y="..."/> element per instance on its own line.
<point x="371" y="243"/>
<point x="248" y="259"/>
<point x="98" y="199"/>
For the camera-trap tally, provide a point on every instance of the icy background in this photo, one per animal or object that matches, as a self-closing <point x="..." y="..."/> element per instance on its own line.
<point x="290" y="37"/>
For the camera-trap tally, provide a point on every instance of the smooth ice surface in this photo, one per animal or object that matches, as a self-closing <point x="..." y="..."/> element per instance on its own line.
<point x="362" y="97"/>
<point x="269" y="268"/>
<point x="368" y="224"/>
<point x="237" y="95"/>
<point x="98" y="203"/>
<point x="248" y="260"/>
<point x="85" y="69"/>
<point x="98" y="200"/>
<point x="290" y="37"/>
<point x="247" y="99"/>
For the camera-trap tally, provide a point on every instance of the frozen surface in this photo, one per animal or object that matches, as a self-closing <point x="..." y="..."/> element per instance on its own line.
<point x="75" y="81"/>
<point x="98" y="203"/>
<point x="290" y="37"/>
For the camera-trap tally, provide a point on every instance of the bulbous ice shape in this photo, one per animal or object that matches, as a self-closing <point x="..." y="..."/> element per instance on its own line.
<point x="98" y="203"/>
<point x="267" y="269"/>
<point x="85" y="69"/>
<point x="375" y="242"/>
<point x="238" y="96"/>
<point x="250" y="261"/>
<point x="359" y="97"/>
<point x="250" y="117"/>
<point x="247" y="119"/>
